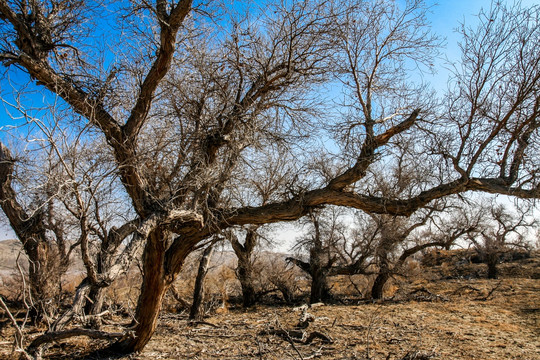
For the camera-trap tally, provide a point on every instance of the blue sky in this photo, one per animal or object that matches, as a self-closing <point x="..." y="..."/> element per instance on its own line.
<point x="445" y="17"/>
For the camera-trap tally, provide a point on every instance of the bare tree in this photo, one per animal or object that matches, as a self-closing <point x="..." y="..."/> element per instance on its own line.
<point x="401" y="238"/>
<point x="186" y="103"/>
<point x="68" y="198"/>
<point x="41" y="233"/>
<point x="501" y="230"/>
<point x="322" y="246"/>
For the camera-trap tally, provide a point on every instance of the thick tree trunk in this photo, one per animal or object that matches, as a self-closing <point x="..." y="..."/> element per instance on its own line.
<point x="249" y="296"/>
<point x="320" y="291"/>
<point x="94" y="305"/>
<point x="153" y="289"/>
<point x="318" y="265"/>
<point x="244" y="270"/>
<point x="195" y="312"/>
<point x="244" y="273"/>
<point x="159" y="273"/>
<point x="378" y="285"/>
<point x="491" y="260"/>
<point x="44" y="275"/>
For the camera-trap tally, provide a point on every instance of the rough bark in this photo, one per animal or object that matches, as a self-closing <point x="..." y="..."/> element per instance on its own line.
<point x="40" y="343"/>
<point x="153" y="289"/>
<point x="159" y="272"/>
<point x="196" y="312"/>
<point x="378" y="285"/>
<point x="244" y="271"/>
<point x="491" y="260"/>
<point x="94" y="305"/>
<point x="245" y="276"/>
<point x="320" y="292"/>
<point x="77" y="306"/>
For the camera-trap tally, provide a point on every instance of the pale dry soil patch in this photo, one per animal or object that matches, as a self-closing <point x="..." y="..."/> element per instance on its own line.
<point x="456" y="324"/>
<point x="505" y="326"/>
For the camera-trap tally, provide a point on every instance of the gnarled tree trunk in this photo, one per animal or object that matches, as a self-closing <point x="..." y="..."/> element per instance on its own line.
<point x="244" y="270"/>
<point x="44" y="274"/>
<point x="318" y="267"/>
<point x="245" y="276"/>
<point x="159" y="272"/>
<point x="153" y="289"/>
<point x="319" y="286"/>
<point x="94" y="305"/>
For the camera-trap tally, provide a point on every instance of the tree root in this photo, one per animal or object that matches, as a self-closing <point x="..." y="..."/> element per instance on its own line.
<point x="37" y="346"/>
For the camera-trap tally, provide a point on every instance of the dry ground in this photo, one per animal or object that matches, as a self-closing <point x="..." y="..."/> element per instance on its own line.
<point x="449" y="321"/>
<point x="437" y="314"/>
<point x="506" y="326"/>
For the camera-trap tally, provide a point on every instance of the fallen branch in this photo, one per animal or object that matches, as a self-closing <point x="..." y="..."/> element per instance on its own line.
<point x="490" y="292"/>
<point x="298" y="336"/>
<point x="291" y="341"/>
<point x="318" y="335"/>
<point x="429" y="297"/>
<point x="465" y="287"/>
<point x="201" y="322"/>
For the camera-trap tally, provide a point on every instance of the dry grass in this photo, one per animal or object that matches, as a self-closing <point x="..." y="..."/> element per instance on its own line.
<point x="506" y="326"/>
<point x="434" y="316"/>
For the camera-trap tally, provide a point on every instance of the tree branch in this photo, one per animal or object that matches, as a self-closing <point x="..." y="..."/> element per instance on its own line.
<point x="367" y="153"/>
<point x="169" y="29"/>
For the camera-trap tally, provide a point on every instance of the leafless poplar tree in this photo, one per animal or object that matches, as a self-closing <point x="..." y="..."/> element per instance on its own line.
<point x="322" y="244"/>
<point x="66" y="193"/>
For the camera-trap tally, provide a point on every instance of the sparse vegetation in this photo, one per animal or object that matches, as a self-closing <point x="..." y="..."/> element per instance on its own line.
<point x="446" y="313"/>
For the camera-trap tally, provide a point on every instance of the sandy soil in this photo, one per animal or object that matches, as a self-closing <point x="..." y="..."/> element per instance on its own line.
<point x="505" y="326"/>
<point x="428" y="318"/>
<point x="437" y="320"/>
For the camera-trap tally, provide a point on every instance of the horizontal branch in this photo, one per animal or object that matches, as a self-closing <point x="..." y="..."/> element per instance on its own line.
<point x="299" y="206"/>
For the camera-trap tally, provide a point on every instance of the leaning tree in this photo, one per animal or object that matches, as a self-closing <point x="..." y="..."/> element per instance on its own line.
<point x="185" y="95"/>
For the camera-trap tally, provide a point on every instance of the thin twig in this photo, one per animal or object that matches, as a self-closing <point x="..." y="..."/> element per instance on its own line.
<point x="289" y="339"/>
<point x="18" y="344"/>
